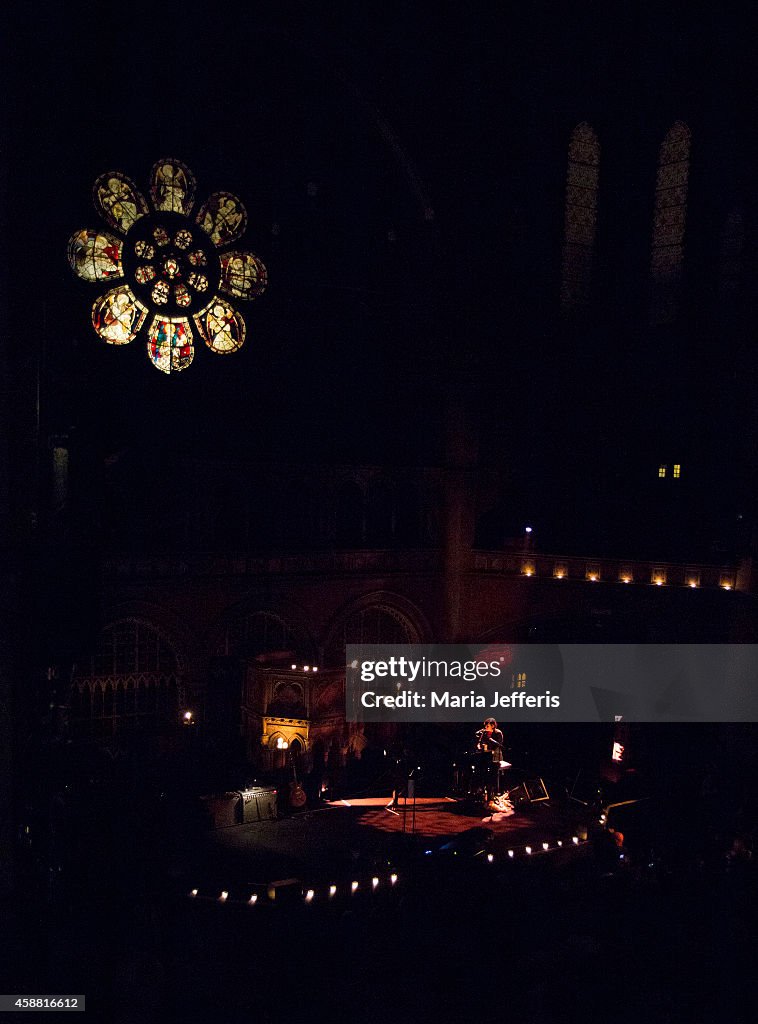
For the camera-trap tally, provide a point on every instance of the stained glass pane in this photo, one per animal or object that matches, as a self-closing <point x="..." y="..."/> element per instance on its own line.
<point x="172" y="186"/>
<point x="171" y="263"/>
<point x="95" y="256"/>
<point x="198" y="281"/>
<point x="160" y="293"/>
<point x="667" y="255"/>
<point x="221" y="327"/>
<point x="117" y="316"/>
<point x="242" y="275"/>
<point x="118" y="200"/>
<point x="581" y="216"/>
<point x="169" y="344"/>
<point x="223" y="217"/>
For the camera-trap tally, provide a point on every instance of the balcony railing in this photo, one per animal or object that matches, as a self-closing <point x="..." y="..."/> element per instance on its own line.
<point x="538" y="566"/>
<point x="527" y="564"/>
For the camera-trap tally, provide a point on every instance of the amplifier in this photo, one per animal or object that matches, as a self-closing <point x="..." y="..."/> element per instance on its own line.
<point x="258" y="804"/>
<point x="222" y="809"/>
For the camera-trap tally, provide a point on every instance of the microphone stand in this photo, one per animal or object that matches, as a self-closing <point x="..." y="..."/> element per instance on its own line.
<point x="410" y="792"/>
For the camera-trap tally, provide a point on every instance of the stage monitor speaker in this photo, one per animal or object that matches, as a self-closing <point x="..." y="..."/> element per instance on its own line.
<point x="531" y="791"/>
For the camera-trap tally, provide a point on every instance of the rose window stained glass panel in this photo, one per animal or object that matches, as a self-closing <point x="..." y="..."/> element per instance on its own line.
<point x="221" y="327"/>
<point x="119" y="201"/>
<point x="172" y="264"/>
<point x="223" y="218"/>
<point x="198" y="281"/>
<point x="169" y="344"/>
<point x="166" y="261"/>
<point x="172" y="187"/>
<point x="95" y="255"/>
<point x="242" y="275"/>
<point x="117" y="316"/>
<point x="160" y="293"/>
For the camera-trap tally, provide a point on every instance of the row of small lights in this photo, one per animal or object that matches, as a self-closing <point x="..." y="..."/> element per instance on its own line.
<point x="529" y="850"/>
<point x="306" y="668"/>
<point x="310" y="894"/>
<point x="594" y="577"/>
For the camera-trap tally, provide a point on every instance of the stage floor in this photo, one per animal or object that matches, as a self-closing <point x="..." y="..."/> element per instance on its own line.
<point x="337" y="839"/>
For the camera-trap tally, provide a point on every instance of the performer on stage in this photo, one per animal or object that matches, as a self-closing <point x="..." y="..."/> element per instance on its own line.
<point x="490" y="739"/>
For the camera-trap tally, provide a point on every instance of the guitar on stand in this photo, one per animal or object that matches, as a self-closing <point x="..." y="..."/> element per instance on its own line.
<point x="298" y="799"/>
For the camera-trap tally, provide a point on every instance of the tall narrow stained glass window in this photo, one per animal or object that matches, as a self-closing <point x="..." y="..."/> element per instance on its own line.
<point x="667" y="256"/>
<point x="152" y="254"/>
<point x="582" y="178"/>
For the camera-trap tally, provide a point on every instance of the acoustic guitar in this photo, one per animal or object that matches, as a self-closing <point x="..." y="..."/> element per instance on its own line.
<point x="298" y="798"/>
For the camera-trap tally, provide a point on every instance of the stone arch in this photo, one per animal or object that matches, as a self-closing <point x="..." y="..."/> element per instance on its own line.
<point x="379" y="617"/>
<point x="130" y="682"/>
<point x="253" y="628"/>
<point x="177" y="631"/>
